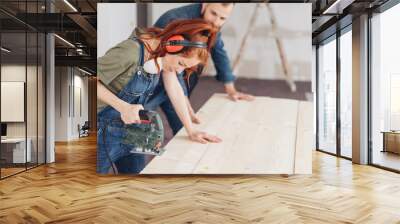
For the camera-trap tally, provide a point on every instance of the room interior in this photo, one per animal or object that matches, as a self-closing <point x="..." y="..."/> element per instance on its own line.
<point x="48" y="171"/>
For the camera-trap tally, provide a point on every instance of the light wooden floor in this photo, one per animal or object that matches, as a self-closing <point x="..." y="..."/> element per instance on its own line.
<point x="5" y="172"/>
<point x="387" y="159"/>
<point x="10" y="171"/>
<point x="70" y="191"/>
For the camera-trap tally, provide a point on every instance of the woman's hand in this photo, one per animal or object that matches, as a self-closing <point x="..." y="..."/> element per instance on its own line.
<point x="130" y="113"/>
<point x="180" y="103"/>
<point x="203" y="137"/>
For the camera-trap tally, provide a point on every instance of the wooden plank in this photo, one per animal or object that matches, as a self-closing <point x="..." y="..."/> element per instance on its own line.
<point x="180" y="144"/>
<point x="304" y="139"/>
<point x="253" y="141"/>
<point x="259" y="137"/>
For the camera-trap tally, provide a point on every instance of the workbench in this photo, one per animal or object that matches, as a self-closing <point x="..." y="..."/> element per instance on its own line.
<point x="264" y="136"/>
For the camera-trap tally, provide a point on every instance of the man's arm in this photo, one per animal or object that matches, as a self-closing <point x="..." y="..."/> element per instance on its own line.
<point x="221" y="62"/>
<point x="163" y="21"/>
<point x="224" y="71"/>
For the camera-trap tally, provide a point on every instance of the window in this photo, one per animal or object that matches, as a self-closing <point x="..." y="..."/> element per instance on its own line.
<point x="22" y="66"/>
<point x="385" y="89"/>
<point x="346" y="94"/>
<point x="327" y="97"/>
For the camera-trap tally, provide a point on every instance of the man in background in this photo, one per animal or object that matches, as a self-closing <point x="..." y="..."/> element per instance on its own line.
<point x="217" y="14"/>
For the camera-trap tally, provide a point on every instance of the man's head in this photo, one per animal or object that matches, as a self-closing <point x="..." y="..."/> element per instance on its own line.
<point x="216" y="13"/>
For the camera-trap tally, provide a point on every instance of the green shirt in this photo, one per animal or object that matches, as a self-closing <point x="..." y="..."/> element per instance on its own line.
<point x="117" y="67"/>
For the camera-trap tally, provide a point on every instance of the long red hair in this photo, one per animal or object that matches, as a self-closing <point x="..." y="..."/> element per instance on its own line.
<point x="192" y="29"/>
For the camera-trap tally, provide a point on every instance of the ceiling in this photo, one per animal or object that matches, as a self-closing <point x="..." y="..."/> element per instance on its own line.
<point x="76" y="22"/>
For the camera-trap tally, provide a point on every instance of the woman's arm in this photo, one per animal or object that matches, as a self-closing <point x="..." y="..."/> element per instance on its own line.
<point x="129" y="112"/>
<point x="195" y="119"/>
<point x="178" y="99"/>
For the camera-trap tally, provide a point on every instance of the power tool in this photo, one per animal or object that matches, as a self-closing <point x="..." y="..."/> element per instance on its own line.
<point x="146" y="137"/>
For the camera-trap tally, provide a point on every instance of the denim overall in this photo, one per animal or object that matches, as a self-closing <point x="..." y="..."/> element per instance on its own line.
<point x="111" y="131"/>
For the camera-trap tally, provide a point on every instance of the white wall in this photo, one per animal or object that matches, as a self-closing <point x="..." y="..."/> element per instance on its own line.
<point x="13" y="73"/>
<point x="115" y="22"/>
<point x="261" y="59"/>
<point x="67" y="114"/>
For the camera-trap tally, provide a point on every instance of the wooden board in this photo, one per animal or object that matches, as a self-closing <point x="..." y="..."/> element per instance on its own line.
<point x="265" y="136"/>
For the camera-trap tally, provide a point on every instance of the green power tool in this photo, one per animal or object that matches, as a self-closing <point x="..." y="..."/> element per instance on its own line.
<point x="148" y="136"/>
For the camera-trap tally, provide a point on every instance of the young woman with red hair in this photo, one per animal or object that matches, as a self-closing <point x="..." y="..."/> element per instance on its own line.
<point x="128" y="75"/>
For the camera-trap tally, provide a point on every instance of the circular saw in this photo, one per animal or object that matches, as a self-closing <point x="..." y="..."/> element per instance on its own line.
<point x="146" y="137"/>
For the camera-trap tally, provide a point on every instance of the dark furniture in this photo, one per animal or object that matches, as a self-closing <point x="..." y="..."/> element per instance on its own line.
<point x="84" y="130"/>
<point x="391" y="141"/>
